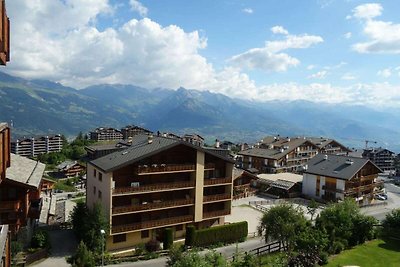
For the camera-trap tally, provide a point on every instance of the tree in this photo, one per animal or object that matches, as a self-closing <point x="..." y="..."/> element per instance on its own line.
<point x="177" y="258"/>
<point x="79" y="215"/>
<point x="83" y="257"/>
<point x="282" y="223"/>
<point x="391" y="224"/>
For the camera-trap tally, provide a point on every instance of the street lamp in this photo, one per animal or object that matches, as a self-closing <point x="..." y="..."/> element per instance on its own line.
<point x="103" y="233"/>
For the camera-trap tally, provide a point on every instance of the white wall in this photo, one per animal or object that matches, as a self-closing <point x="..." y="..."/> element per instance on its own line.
<point x="340" y="184"/>
<point x="309" y="183"/>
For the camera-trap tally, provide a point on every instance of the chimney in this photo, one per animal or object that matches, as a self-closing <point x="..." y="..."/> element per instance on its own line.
<point x="349" y="161"/>
<point x="325" y="157"/>
<point x="150" y="139"/>
<point x="216" y="143"/>
<point x="130" y="139"/>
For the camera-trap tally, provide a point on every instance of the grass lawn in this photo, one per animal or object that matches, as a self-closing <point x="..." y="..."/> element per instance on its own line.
<point x="373" y="253"/>
<point x="78" y="200"/>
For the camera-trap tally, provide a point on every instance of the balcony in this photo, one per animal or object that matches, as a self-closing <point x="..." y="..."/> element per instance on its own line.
<point x="151" y="224"/>
<point x="362" y="188"/>
<point x="152" y="206"/>
<point x="219" y="197"/>
<point x="153" y="188"/>
<point x="217" y="213"/>
<point x="209" y="166"/>
<point x="332" y="189"/>
<point x="217" y="181"/>
<point x="10" y="205"/>
<point x="165" y="168"/>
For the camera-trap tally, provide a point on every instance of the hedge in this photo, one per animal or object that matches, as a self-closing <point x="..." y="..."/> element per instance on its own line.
<point x="189" y="237"/>
<point x="168" y="238"/>
<point x="229" y="233"/>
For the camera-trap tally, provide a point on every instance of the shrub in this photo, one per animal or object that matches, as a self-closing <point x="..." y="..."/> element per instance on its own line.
<point x="168" y="238"/>
<point x="16" y="247"/>
<point x="40" y="239"/>
<point x="189" y="238"/>
<point x="229" y="233"/>
<point x="323" y="258"/>
<point x="337" y="247"/>
<point x="140" y="249"/>
<point x="83" y="257"/>
<point x="153" y="245"/>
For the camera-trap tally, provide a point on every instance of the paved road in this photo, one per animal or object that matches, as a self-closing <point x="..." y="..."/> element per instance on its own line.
<point x="63" y="243"/>
<point x="393" y="202"/>
<point x="227" y="251"/>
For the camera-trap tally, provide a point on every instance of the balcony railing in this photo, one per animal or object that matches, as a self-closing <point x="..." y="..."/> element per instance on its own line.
<point x="151" y="224"/>
<point x="331" y="189"/>
<point x="209" y="166"/>
<point x="10" y="205"/>
<point x="152" y="188"/>
<point x="217" y="213"/>
<point x="217" y="197"/>
<point x="363" y="188"/>
<point x="214" y="181"/>
<point x="160" y="168"/>
<point x="153" y="205"/>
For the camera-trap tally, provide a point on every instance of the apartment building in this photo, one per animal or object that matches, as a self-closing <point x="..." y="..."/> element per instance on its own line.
<point x="194" y="139"/>
<point x="4" y="150"/>
<point x="5" y="247"/>
<point x="20" y="193"/>
<point x="329" y="146"/>
<point x="283" y="155"/>
<point x="159" y="182"/>
<point x="132" y="130"/>
<point x="105" y="134"/>
<point x="335" y="177"/>
<point x="383" y="158"/>
<point x="34" y="146"/>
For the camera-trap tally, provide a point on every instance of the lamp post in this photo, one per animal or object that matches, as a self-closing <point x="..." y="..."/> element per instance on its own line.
<point x="103" y="233"/>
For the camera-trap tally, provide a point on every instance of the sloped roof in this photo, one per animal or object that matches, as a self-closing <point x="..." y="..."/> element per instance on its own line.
<point x="337" y="166"/>
<point x="25" y="171"/>
<point x="140" y="149"/>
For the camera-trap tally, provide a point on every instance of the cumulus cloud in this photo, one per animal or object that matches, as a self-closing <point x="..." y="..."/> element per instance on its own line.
<point x="367" y="11"/>
<point x="138" y="7"/>
<point x="348" y="77"/>
<point x="270" y="57"/>
<point x="248" y="10"/>
<point x="279" y="30"/>
<point x="384" y="36"/>
<point x="347" y="35"/>
<point x="319" y="75"/>
<point x="385" y="73"/>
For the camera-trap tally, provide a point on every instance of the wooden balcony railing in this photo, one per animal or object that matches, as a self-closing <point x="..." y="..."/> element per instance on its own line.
<point x="331" y="189"/>
<point x="214" y="181"/>
<point x="152" y="188"/>
<point x="217" y="213"/>
<point x="151" y="224"/>
<point x="10" y="205"/>
<point x="362" y="188"/>
<point x="150" y="206"/>
<point x="217" y="197"/>
<point x="209" y="166"/>
<point x="160" y="168"/>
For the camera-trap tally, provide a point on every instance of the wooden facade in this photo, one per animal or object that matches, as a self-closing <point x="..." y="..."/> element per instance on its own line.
<point x="4" y="34"/>
<point x="4" y="150"/>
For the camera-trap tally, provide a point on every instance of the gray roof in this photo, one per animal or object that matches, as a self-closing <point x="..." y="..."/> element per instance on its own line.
<point x="336" y="166"/>
<point x="140" y="149"/>
<point x="25" y="171"/>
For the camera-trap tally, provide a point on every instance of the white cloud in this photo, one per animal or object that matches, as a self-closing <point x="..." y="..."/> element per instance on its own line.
<point x="310" y="67"/>
<point x="138" y="7"/>
<point x="319" y="75"/>
<point x="248" y="10"/>
<point x="279" y="30"/>
<point x="367" y="11"/>
<point x="385" y="73"/>
<point x="270" y="58"/>
<point x="348" y="77"/>
<point x="347" y="35"/>
<point x="384" y="37"/>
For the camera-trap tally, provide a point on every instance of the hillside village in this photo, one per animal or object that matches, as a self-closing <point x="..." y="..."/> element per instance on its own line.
<point x="149" y="182"/>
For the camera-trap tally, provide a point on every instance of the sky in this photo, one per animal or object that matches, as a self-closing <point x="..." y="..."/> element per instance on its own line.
<point x="329" y="51"/>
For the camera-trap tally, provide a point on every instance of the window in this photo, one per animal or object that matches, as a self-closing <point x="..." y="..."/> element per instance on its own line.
<point x="99" y="194"/>
<point x="119" y="238"/>
<point x="94" y="190"/>
<point x="145" y="234"/>
<point x="179" y="227"/>
<point x="100" y="176"/>
<point x="94" y="172"/>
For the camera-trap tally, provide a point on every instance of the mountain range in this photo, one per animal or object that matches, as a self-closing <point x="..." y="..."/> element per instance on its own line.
<point x="38" y="107"/>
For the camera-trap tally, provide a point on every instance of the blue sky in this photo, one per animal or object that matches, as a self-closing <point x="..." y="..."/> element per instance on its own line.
<point x="336" y="51"/>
